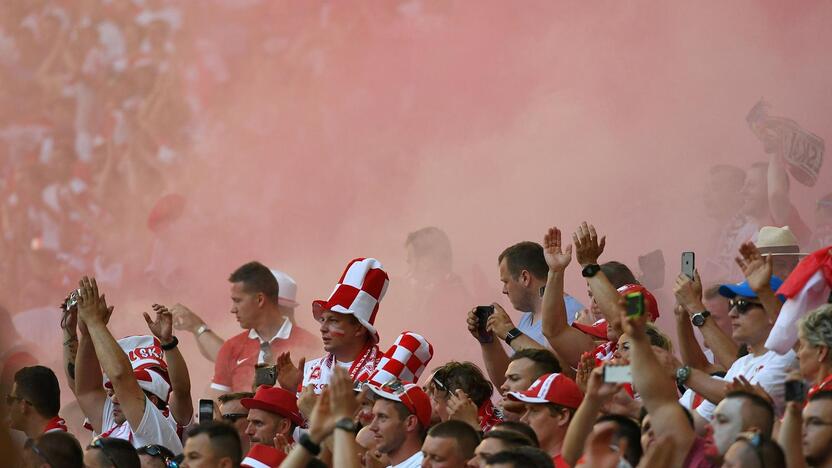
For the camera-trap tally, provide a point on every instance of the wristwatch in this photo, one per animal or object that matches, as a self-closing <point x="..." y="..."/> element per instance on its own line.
<point x="202" y="329"/>
<point x="698" y="319"/>
<point x="512" y="334"/>
<point x="306" y="442"/>
<point x="590" y="270"/>
<point x="682" y="375"/>
<point x="347" y="424"/>
<point x="169" y="346"/>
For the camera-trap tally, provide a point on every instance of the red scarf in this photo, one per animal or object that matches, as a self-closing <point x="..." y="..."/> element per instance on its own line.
<point x="825" y="385"/>
<point x="56" y="424"/>
<point x="362" y="367"/>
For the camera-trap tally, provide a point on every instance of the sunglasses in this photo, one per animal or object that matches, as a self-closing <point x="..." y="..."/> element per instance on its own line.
<point x="157" y="451"/>
<point x="234" y="417"/>
<point x="30" y="444"/>
<point x="742" y="305"/>
<point x="99" y="444"/>
<point x="396" y="387"/>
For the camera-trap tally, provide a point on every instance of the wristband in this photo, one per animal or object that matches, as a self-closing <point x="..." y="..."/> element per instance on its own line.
<point x="590" y="270"/>
<point x="311" y="447"/>
<point x="171" y="345"/>
<point x="202" y="329"/>
<point x="512" y="334"/>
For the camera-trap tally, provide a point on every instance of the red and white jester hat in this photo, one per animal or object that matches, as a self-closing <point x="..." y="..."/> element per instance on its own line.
<point x="358" y="292"/>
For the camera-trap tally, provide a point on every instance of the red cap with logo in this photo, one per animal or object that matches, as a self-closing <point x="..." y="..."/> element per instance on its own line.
<point x="410" y="395"/>
<point x="554" y="388"/>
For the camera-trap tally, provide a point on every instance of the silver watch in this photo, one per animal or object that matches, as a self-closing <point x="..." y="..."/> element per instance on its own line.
<point x="202" y="329"/>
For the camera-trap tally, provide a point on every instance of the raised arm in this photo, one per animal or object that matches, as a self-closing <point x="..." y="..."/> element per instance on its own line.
<point x="208" y="342"/>
<point x="791" y="436"/>
<point x="89" y="390"/>
<point x="113" y="360"/>
<point x="580" y="427"/>
<point x="757" y="270"/>
<point x="657" y="389"/>
<point x="689" y="295"/>
<point x="69" y="325"/>
<point x="568" y="343"/>
<point x="181" y="404"/>
<point x="588" y="248"/>
<point x="689" y="349"/>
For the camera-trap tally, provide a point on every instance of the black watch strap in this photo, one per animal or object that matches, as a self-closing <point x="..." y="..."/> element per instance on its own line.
<point x="590" y="270"/>
<point x="512" y="334"/>
<point x="347" y="424"/>
<point x="171" y="345"/>
<point x="310" y="446"/>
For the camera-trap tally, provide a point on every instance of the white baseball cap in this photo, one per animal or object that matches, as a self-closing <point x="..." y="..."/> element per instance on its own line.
<point x="288" y="289"/>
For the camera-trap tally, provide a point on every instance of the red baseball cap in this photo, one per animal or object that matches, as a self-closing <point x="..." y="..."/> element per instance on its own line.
<point x="410" y="395"/>
<point x="650" y="304"/>
<point x="597" y="329"/>
<point x="263" y="456"/>
<point x="275" y="400"/>
<point x="554" y="388"/>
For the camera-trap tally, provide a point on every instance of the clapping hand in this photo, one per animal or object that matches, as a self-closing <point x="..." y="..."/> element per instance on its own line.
<point x="92" y="308"/>
<point x="162" y="327"/>
<point x="289" y="376"/>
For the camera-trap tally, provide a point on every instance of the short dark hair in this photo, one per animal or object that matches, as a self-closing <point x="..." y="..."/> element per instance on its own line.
<point x="467" y="377"/>
<point x="431" y="242"/>
<point x="628" y="429"/>
<point x="60" y="449"/>
<point x="525" y="256"/>
<point x="226" y="397"/>
<point x="618" y="273"/>
<point x="224" y="439"/>
<point x="760" y="403"/>
<point x="520" y="428"/>
<point x="544" y="360"/>
<point x="256" y="278"/>
<point x="465" y="436"/>
<point x="117" y="453"/>
<point x="768" y="452"/>
<point x="39" y="386"/>
<point x="522" y="457"/>
<point x="510" y="438"/>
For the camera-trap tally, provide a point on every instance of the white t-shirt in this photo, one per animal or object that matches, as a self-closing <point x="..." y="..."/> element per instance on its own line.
<point x="415" y="461"/>
<point x="321" y="378"/>
<point x="769" y="370"/>
<point x="157" y="427"/>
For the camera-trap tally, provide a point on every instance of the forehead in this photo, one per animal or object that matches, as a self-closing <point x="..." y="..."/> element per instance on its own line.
<point x="238" y="289"/>
<point x="201" y="444"/>
<point x="491" y="445"/>
<point x="818" y="408"/>
<point x="233" y="406"/>
<point x="385" y="407"/>
<point x="438" y="445"/>
<point x="729" y="406"/>
<point x="255" y="414"/>
<point x="520" y="366"/>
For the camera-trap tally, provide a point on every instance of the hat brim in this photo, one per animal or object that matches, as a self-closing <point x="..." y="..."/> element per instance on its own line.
<point x="251" y="403"/>
<point x="284" y="301"/>
<point x="522" y="396"/>
<point x="597" y="331"/>
<point x="320" y="306"/>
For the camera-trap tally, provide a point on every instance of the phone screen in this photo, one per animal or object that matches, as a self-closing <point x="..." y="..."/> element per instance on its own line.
<point x="482" y="313"/>
<point x="635" y="304"/>
<point x="688" y="264"/>
<point x="617" y="374"/>
<point x="206" y="410"/>
<point x="265" y="374"/>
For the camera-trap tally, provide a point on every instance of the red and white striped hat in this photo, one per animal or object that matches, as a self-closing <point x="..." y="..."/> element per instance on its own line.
<point x="358" y="292"/>
<point x="148" y="362"/>
<point x="554" y="388"/>
<point x="405" y="360"/>
<point x="263" y="456"/>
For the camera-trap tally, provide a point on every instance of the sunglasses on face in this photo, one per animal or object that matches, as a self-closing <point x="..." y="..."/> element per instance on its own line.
<point x="99" y="444"/>
<point x="742" y="305"/>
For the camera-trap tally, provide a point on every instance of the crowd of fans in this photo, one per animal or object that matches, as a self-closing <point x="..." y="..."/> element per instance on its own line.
<point x="605" y="387"/>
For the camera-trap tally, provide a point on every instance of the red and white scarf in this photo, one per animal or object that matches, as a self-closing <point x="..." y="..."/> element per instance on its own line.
<point x="361" y="369"/>
<point x="488" y="416"/>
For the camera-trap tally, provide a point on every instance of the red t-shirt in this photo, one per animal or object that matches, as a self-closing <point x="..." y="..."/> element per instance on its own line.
<point x="559" y="462"/>
<point x="234" y="367"/>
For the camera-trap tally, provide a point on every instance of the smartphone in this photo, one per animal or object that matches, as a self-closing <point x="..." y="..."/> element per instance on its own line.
<point x="482" y="313"/>
<point x="617" y="374"/>
<point x="635" y="304"/>
<point x="795" y="390"/>
<point x="689" y="264"/>
<point x="206" y="410"/>
<point x="265" y="374"/>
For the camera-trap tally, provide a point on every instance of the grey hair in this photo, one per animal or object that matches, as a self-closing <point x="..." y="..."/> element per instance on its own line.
<point x="817" y="326"/>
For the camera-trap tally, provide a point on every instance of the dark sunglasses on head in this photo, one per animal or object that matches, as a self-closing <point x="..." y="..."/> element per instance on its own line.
<point x="742" y="305"/>
<point x="99" y="444"/>
<point x="233" y="417"/>
<point x="160" y="452"/>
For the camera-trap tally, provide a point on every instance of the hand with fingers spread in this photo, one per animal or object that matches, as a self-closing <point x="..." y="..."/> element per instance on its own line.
<point x="588" y="248"/>
<point x="162" y="327"/>
<point x="585" y="366"/>
<point x="557" y="256"/>
<point x="740" y="383"/>
<point x="288" y="375"/>
<point x="281" y="442"/>
<point x="462" y="408"/>
<point x="756" y="268"/>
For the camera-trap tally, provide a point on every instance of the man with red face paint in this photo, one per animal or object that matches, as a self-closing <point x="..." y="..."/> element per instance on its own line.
<point x="349" y="337"/>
